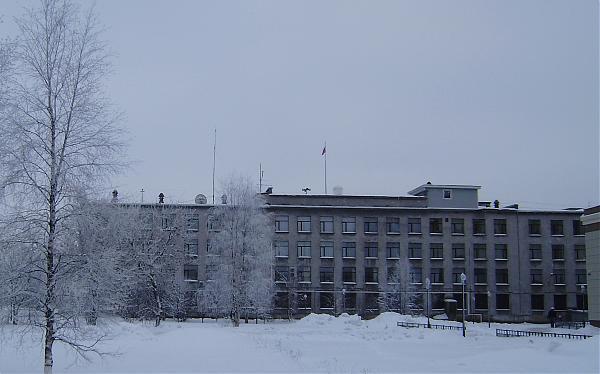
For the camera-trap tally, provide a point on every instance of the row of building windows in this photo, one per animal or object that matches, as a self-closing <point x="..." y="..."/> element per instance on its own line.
<point x="392" y="225"/>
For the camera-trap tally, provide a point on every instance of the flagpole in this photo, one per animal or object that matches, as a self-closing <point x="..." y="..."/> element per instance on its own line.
<point x="325" y="168"/>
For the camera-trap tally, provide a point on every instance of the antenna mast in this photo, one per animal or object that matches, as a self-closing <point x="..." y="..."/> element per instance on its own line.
<point x="214" y="161"/>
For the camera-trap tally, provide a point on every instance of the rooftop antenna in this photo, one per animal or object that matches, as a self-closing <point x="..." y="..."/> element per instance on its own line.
<point x="306" y="190"/>
<point x="142" y="191"/>
<point x="261" y="173"/>
<point x="214" y="161"/>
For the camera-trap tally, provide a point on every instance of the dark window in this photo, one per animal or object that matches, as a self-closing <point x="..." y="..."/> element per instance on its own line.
<point x="535" y="227"/>
<point x="282" y="300"/>
<point x="392" y="225"/>
<point x="326" y="274"/>
<point x="537" y="276"/>
<point x="502" y="301"/>
<point x="481" y="301"/>
<point x="480" y="250"/>
<point x="326" y="249"/>
<point x="436" y="250"/>
<point x="414" y="250"/>
<point x="303" y="224"/>
<point x="437" y="275"/>
<point x="577" y="227"/>
<point x="282" y="248"/>
<point x="303" y="249"/>
<point x="458" y="251"/>
<point x="458" y="225"/>
<point x="579" y="252"/>
<point x="349" y="225"/>
<point x="456" y="272"/>
<point x="281" y="223"/>
<point x="349" y="301"/>
<point x="414" y="225"/>
<point x="582" y="301"/>
<point x="500" y="226"/>
<point x="349" y="249"/>
<point x="191" y="247"/>
<point x="501" y="276"/>
<point x="349" y="274"/>
<point x="192" y="222"/>
<point x="168" y="221"/>
<point x="481" y="275"/>
<point x="559" y="276"/>
<point x="416" y="275"/>
<point x="190" y="272"/>
<point x="535" y="251"/>
<point x="556" y="227"/>
<point x="213" y="223"/>
<point x="581" y="276"/>
<point x="435" y="225"/>
<point x="558" y="252"/>
<point x="326" y="225"/>
<point x="479" y="226"/>
<point x="371" y="249"/>
<point x="304" y="300"/>
<point x="303" y="273"/>
<point x="370" y="225"/>
<point x="327" y="300"/>
<point x="282" y="273"/>
<point x="501" y="251"/>
<point x="371" y="275"/>
<point x="393" y="250"/>
<point x="537" y="302"/>
<point x="393" y="275"/>
<point x="371" y="301"/>
<point x="560" y="302"/>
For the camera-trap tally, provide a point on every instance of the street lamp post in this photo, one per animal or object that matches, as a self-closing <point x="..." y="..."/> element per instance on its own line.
<point x="343" y="300"/>
<point x="427" y="288"/>
<point x="463" y="279"/>
<point x="583" y="301"/>
<point x="489" y="295"/>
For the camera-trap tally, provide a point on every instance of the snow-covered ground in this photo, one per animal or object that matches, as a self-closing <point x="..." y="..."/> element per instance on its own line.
<point x="317" y="343"/>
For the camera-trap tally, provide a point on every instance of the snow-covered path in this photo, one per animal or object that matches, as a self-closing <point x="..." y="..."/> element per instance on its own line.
<point x="318" y="343"/>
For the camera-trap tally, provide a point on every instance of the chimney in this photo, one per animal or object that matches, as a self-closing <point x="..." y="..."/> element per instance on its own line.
<point x="496" y="204"/>
<point x="115" y="196"/>
<point x="161" y="198"/>
<point x="224" y="199"/>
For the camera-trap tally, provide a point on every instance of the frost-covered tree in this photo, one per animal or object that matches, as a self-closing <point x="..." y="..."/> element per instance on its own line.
<point x="59" y="139"/>
<point x="400" y="293"/>
<point x="240" y="267"/>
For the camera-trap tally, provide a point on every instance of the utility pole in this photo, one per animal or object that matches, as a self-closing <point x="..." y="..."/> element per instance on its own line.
<point x="463" y="279"/>
<point x="427" y="287"/>
<point x="261" y="172"/>
<point x="214" y="161"/>
<point x="142" y="191"/>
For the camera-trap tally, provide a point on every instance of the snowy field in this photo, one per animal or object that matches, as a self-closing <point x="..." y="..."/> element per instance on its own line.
<point x="317" y="343"/>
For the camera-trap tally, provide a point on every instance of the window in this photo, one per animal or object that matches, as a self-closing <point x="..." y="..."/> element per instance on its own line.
<point x="349" y="301"/>
<point x="282" y="300"/>
<point x="579" y="252"/>
<point x="560" y="302"/>
<point x="303" y="224"/>
<point x="211" y="271"/>
<point x="192" y="222"/>
<point x="414" y="225"/>
<point x="213" y="224"/>
<point x="326" y="274"/>
<point x="349" y="249"/>
<point x="304" y="300"/>
<point x="458" y="251"/>
<point x="371" y="225"/>
<point x="349" y="225"/>
<point x="282" y="248"/>
<point x="480" y="276"/>
<point x="371" y="301"/>
<point x="349" y="274"/>
<point x="326" y="300"/>
<point x="501" y="251"/>
<point x="537" y="302"/>
<point x="416" y="275"/>
<point x="535" y="251"/>
<point x="447" y="194"/>
<point x="435" y="225"/>
<point x="456" y="272"/>
<point x="481" y="301"/>
<point x="191" y="247"/>
<point x="414" y="250"/>
<point x="458" y="226"/>
<point x="326" y="225"/>
<point x="580" y="276"/>
<point x="535" y="227"/>
<point x="556" y="227"/>
<point x="326" y="249"/>
<point x="168" y="221"/>
<point x="303" y="274"/>
<point x="190" y="273"/>
<point x="371" y="275"/>
<point x="371" y="250"/>
<point x="436" y="250"/>
<point x="537" y="276"/>
<point x="282" y="274"/>
<point x="437" y="275"/>
<point x="500" y="226"/>
<point x="392" y="225"/>
<point x="393" y="276"/>
<point x="577" y="227"/>
<point x="559" y="276"/>
<point x="502" y="301"/>
<point x="479" y="226"/>
<point x="281" y="224"/>
<point x="393" y="250"/>
<point x="558" y="252"/>
<point x="582" y="301"/>
<point x="304" y="249"/>
<point x="501" y="276"/>
<point x="480" y="250"/>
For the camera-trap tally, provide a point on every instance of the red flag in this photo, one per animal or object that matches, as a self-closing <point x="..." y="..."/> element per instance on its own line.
<point x="324" y="150"/>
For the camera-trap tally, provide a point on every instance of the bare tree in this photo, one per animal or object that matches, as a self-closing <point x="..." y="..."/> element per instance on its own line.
<point x="59" y="140"/>
<point x="400" y="294"/>
<point x="240" y="268"/>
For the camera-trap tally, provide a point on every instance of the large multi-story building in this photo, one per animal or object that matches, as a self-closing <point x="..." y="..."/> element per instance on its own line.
<point x="341" y="253"/>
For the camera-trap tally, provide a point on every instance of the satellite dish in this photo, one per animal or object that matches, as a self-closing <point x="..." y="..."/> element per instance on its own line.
<point x="200" y="199"/>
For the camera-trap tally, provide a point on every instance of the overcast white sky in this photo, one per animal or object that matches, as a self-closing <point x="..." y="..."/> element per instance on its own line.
<point x="502" y="94"/>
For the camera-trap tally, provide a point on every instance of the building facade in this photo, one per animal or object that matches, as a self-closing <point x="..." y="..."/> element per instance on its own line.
<point x="591" y="221"/>
<point x="340" y="253"/>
